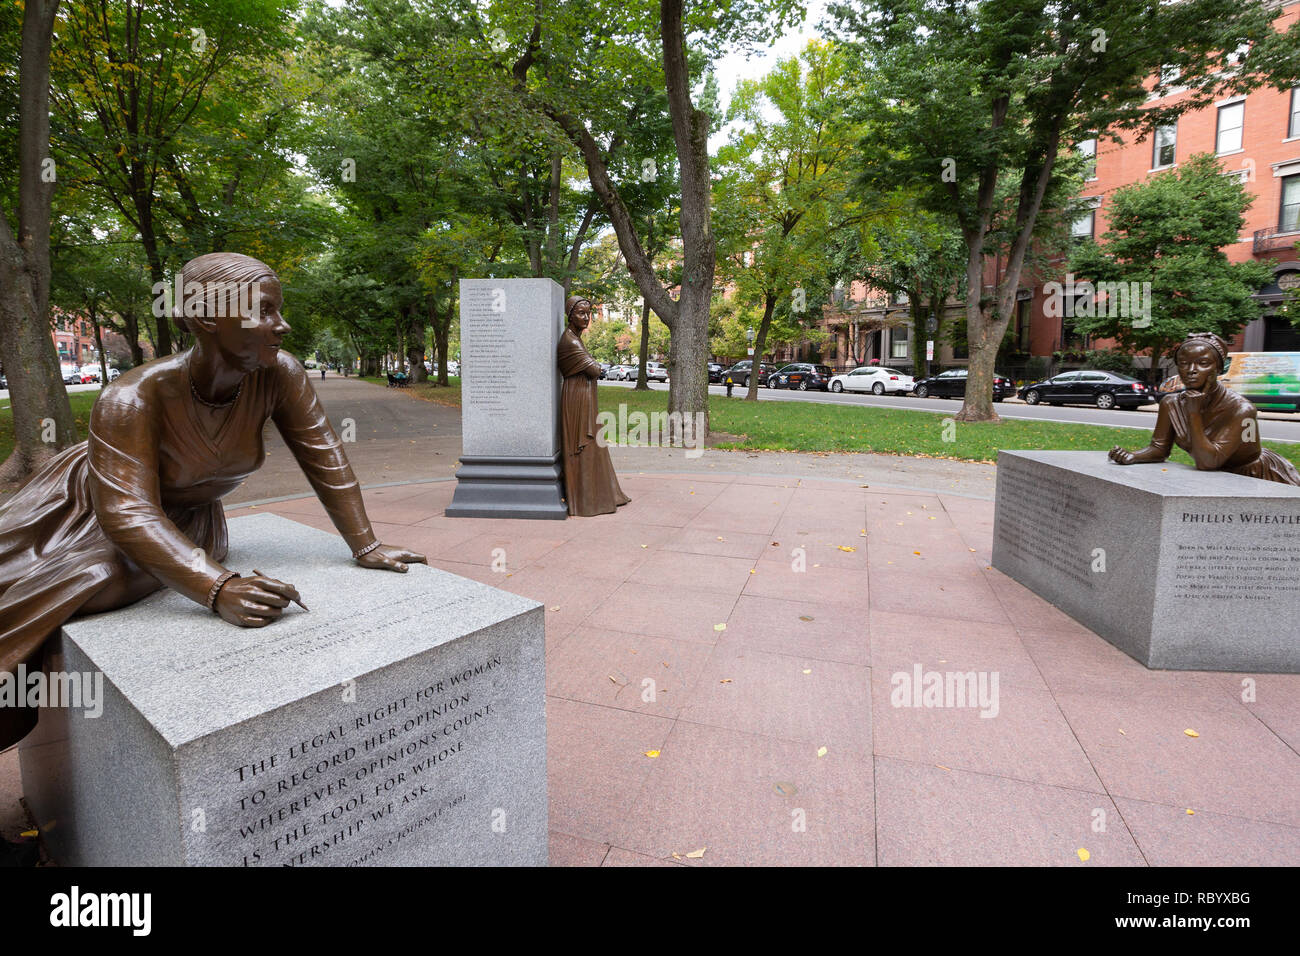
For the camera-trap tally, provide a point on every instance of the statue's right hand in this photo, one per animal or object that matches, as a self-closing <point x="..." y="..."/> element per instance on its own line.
<point x="253" y="601"/>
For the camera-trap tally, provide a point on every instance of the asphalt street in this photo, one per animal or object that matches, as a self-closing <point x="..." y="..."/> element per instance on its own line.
<point x="1272" y="425"/>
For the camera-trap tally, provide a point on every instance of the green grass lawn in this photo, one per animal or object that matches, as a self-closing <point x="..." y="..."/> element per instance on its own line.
<point x="81" y="404"/>
<point x="814" y="427"/>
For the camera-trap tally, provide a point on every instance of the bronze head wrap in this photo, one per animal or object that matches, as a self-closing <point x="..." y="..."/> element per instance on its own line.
<point x="572" y="301"/>
<point x="1205" y="338"/>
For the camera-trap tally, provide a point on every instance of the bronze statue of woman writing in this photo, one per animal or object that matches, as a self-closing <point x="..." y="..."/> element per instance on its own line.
<point x="137" y="507"/>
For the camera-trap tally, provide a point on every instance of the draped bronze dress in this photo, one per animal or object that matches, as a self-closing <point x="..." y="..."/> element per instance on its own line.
<point x="590" y="485"/>
<point x="137" y="506"/>
<point x="1222" y="417"/>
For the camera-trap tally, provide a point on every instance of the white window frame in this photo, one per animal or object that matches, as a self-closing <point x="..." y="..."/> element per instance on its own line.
<point x="1079" y="147"/>
<point x="1219" y="129"/>
<point x="1293" y="127"/>
<point x="1155" y="148"/>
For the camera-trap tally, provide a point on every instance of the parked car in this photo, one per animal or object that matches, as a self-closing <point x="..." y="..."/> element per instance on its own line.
<point x="71" y="375"/>
<point x="453" y="368"/>
<point x="803" y="376"/>
<point x="1090" y="387"/>
<point x="715" y="373"/>
<point x="952" y="384"/>
<point x="113" y="373"/>
<point x="877" y="379"/>
<point x="655" y="372"/>
<point x="740" y="372"/>
<point x="617" y="373"/>
<point x="89" y="373"/>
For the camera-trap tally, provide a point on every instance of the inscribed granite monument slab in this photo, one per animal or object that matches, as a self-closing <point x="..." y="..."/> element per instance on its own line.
<point x="399" y="723"/>
<point x="1179" y="568"/>
<point x="510" y="399"/>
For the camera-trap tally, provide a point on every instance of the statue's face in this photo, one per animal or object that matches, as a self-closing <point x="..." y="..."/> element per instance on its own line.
<point x="580" y="317"/>
<point x="1198" y="366"/>
<point x="253" y="341"/>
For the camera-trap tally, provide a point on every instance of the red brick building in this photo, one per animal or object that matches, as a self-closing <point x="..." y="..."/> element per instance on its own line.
<point x="1256" y="138"/>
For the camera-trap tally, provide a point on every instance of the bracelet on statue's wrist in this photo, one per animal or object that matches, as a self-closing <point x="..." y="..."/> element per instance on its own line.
<point x="216" y="587"/>
<point x="366" y="550"/>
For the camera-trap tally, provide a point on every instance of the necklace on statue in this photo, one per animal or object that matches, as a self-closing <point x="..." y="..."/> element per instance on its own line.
<point x="203" y="401"/>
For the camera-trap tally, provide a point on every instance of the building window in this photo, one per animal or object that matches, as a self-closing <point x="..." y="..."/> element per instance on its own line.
<point x="1169" y="74"/>
<point x="1236" y="56"/>
<point x="1293" y="128"/>
<point x="1165" y="146"/>
<point x="1289" y="218"/>
<point x="898" y="343"/>
<point x="1088" y="150"/>
<point x="1231" y="119"/>
<point x="1082" y="227"/>
<point x="1022" y="325"/>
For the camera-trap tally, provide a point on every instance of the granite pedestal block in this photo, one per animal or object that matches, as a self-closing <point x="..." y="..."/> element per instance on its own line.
<point x="1181" y="569"/>
<point x="400" y="722"/>
<point x="510" y="400"/>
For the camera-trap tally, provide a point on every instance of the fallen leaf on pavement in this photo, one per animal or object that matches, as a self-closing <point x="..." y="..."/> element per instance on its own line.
<point x="696" y="854"/>
<point x="1084" y="855"/>
<point x="652" y="753"/>
<point x="1191" y="733"/>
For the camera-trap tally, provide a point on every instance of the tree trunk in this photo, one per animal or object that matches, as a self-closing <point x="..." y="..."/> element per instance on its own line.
<point x="42" y="415"/>
<point x="760" y="343"/>
<point x="642" y="383"/>
<point x="978" y="404"/>
<point x="99" y="346"/>
<point x="131" y="325"/>
<point x="441" y="330"/>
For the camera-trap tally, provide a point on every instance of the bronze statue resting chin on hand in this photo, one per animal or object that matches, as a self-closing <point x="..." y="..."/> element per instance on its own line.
<point x="1214" y="425"/>
<point x="137" y="506"/>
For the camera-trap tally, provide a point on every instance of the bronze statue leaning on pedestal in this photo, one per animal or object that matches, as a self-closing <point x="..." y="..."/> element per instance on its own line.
<point x="137" y="506"/>
<point x="1213" y="424"/>
<point x="590" y="485"/>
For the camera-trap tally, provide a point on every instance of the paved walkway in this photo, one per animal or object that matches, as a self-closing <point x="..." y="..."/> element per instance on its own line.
<point x="723" y="655"/>
<point x="735" y="626"/>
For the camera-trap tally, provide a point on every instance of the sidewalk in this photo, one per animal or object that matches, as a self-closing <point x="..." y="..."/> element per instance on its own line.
<point x="708" y="641"/>
<point x="756" y="666"/>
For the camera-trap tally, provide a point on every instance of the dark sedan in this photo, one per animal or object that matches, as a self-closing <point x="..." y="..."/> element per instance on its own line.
<point x="1088" y="387"/>
<point x="802" y="376"/>
<point x="715" y="373"/>
<point x="952" y="384"/>
<point x="739" y="373"/>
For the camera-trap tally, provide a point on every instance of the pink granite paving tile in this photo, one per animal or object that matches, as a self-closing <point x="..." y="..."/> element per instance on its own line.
<point x="661" y="511"/>
<point x="748" y="800"/>
<point x="568" y="850"/>
<point x="569" y="598"/>
<point x="1236" y="766"/>
<point x="932" y="817"/>
<point x="647" y="675"/>
<point x="899" y="641"/>
<point x="675" y="569"/>
<point x="821" y="548"/>
<point x="320" y="521"/>
<point x="935" y="588"/>
<point x="1170" y="836"/>
<point x="820" y="703"/>
<point x="1028" y="739"/>
<point x="620" y="857"/>
<point x="684" y="614"/>
<point x="594" y="558"/>
<point x="824" y="585"/>
<point x="475" y="572"/>
<point x="1275" y="703"/>
<point x="732" y="544"/>
<point x="309" y="505"/>
<point x="623" y="531"/>
<point x="760" y="519"/>
<point x="1085" y="664"/>
<point x="824" y="632"/>
<point x="492" y="549"/>
<point x="1027" y="610"/>
<point x="402" y="512"/>
<point x="596" y="765"/>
